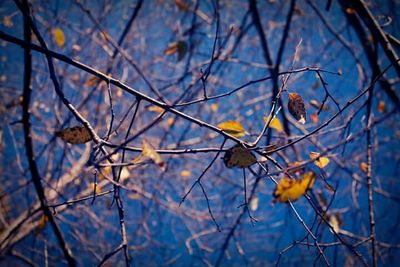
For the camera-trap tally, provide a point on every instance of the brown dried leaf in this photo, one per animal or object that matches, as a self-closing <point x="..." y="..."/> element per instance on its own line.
<point x="296" y="107"/>
<point x="75" y="135"/>
<point x="239" y="156"/>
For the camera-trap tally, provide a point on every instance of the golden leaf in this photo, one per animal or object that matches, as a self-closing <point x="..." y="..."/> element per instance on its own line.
<point x="124" y="174"/>
<point x="290" y="189"/>
<point x="321" y="162"/>
<point x="156" y="109"/>
<point x="149" y="152"/>
<point x="214" y="107"/>
<point x="59" y="37"/>
<point x="75" y="135"/>
<point x="296" y="107"/>
<point x="239" y="156"/>
<point x="185" y="173"/>
<point x="364" y="167"/>
<point x="92" y="81"/>
<point x="7" y="21"/>
<point x="170" y="121"/>
<point x="275" y="123"/>
<point x="233" y="128"/>
<point x="95" y="187"/>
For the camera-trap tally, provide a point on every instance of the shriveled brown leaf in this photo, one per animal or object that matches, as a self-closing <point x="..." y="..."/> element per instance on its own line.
<point x="296" y="107"/>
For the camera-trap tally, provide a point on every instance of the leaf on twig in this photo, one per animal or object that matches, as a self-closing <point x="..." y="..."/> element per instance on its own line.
<point x="275" y="123"/>
<point x="59" y="37"/>
<point x="290" y="189"/>
<point x="321" y="162"/>
<point x="239" y="156"/>
<point x="156" y="109"/>
<point x="179" y="47"/>
<point x="148" y="152"/>
<point x="233" y="128"/>
<point x="314" y="118"/>
<point x="296" y="107"/>
<point x="75" y="135"/>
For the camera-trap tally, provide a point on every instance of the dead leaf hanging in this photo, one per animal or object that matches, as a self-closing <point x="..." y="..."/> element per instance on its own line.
<point x="296" y="107"/>
<point x="75" y="135"/>
<point x="239" y="156"/>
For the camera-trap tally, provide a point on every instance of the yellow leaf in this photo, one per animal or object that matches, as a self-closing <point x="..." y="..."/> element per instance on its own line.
<point x="149" y="152"/>
<point x="95" y="187"/>
<point x="75" y="135"/>
<point x="170" y="121"/>
<point x="275" y="123"/>
<point x="185" y="173"/>
<point x="254" y="204"/>
<point x="214" y="107"/>
<point x="92" y="81"/>
<point x="290" y="189"/>
<point x="381" y="106"/>
<point x="156" y="109"/>
<point x="321" y="162"/>
<point x="58" y="36"/>
<point x="239" y="156"/>
<point x="7" y="21"/>
<point x="233" y="128"/>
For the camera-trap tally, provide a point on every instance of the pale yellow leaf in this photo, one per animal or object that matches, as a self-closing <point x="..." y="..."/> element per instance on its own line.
<point x="275" y="123"/>
<point x="254" y="203"/>
<point x="233" y="128"/>
<point x="334" y="222"/>
<point x="149" y="152"/>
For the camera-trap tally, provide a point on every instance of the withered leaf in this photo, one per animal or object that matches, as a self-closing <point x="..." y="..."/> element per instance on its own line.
<point x="75" y="135"/>
<point x="296" y="107"/>
<point x="239" y="156"/>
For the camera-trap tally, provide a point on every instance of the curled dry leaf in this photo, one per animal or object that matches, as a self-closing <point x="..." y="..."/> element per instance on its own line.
<point x="275" y="123"/>
<point x="239" y="156"/>
<point x="233" y="128"/>
<point x="289" y="189"/>
<point x="321" y="162"/>
<point x="59" y="37"/>
<point x="75" y="135"/>
<point x="296" y="107"/>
